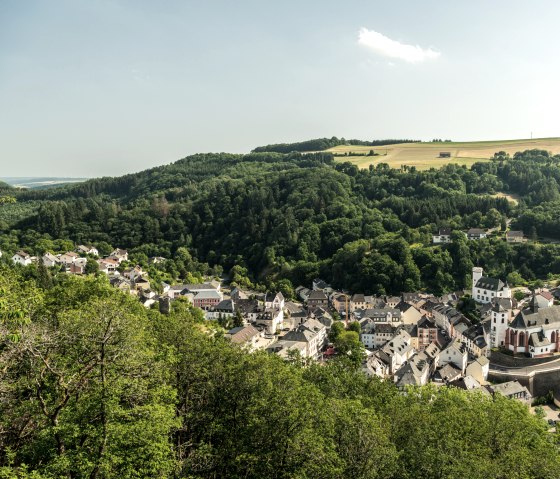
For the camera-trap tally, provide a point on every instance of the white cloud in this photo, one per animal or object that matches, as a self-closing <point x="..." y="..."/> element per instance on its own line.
<point x="386" y="47"/>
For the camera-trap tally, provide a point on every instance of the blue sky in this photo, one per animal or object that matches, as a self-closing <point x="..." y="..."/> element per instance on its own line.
<point x="92" y="88"/>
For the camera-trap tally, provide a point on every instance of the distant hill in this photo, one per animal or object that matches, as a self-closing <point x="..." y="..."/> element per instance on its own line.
<point x="427" y="155"/>
<point x="39" y="182"/>
<point x="321" y="144"/>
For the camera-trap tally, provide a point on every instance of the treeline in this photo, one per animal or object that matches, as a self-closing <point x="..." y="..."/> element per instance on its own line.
<point x="95" y="386"/>
<point x="297" y="216"/>
<point x="320" y="144"/>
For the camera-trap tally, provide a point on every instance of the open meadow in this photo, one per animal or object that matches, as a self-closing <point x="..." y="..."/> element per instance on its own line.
<point x="426" y="155"/>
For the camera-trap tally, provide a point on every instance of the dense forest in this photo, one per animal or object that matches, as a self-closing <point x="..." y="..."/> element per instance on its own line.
<point x="93" y="385"/>
<point x="292" y="217"/>
<point x="321" y="144"/>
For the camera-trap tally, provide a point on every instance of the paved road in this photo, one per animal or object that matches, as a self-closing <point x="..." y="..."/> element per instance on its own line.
<point x="526" y="370"/>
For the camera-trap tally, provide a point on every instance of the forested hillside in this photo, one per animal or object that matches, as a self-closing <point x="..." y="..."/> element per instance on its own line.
<point x="293" y="217"/>
<point x="320" y="144"/>
<point x="93" y="385"/>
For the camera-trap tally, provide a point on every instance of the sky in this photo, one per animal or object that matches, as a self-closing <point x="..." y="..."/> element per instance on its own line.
<point x="108" y="87"/>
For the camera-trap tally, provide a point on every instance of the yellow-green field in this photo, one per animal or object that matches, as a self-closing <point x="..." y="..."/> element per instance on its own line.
<point x="426" y="155"/>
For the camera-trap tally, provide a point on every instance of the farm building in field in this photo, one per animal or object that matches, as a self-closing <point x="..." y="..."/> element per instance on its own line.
<point x="445" y="154"/>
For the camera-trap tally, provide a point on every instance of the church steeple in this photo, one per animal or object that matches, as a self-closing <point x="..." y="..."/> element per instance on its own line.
<point x="534" y="305"/>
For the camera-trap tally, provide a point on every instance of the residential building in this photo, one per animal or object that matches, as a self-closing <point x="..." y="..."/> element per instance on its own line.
<point x="316" y="299"/>
<point x="476" y="234"/>
<point x="512" y="390"/>
<point x="515" y="237"/>
<point x="68" y="258"/>
<point x="485" y="289"/>
<point x="21" y="257"/>
<point x="83" y="249"/>
<point x="376" y="335"/>
<point x="442" y="236"/>
<point x="120" y="255"/>
<point x="320" y="285"/>
<point x="427" y="333"/>
<point x="50" y="260"/>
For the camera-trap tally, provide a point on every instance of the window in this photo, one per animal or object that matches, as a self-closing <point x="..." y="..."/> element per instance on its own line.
<point x="502" y="320"/>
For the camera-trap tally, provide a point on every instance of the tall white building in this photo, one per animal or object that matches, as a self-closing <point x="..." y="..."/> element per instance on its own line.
<point x="485" y="289"/>
<point x="501" y="315"/>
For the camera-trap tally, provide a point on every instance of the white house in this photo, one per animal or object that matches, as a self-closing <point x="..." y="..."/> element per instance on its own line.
<point x="274" y="301"/>
<point x="456" y="354"/>
<point x="83" y="249"/>
<point x="476" y="234"/>
<point x="68" y="258"/>
<point x="485" y="289"/>
<point x="50" y="260"/>
<point x="21" y="257"/>
<point x="397" y="351"/>
<point x="443" y="236"/>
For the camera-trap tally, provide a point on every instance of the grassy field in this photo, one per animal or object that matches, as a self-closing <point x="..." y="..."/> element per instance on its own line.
<point x="426" y="155"/>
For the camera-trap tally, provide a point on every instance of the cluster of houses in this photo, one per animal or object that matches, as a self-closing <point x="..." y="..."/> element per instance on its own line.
<point x="74" y="262"/>
<point x="443" y="235"/>
<point x="411" y="339"/>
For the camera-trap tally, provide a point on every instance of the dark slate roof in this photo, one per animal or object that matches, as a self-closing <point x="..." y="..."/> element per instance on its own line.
<point x="381" y="313"/>
<point x="317" y="296"/>
<point x="493" y="284"/>
<point x="476" y="231"/>
<point x="358" y="298"/>
<point x="515" y="234"/>
<point x="319" y="283"/>
<point x="536" y="317"/>
<point x="444" y="231"/>
<point x="225" y="305"/>
<point x="426" y="323"/>
<point x="501" y="305"/>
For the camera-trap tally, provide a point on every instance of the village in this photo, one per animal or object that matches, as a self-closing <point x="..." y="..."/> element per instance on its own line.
<point x="411" y="339"/>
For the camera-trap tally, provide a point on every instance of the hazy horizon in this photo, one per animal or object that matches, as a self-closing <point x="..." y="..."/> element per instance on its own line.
<point x="111" y="87"/>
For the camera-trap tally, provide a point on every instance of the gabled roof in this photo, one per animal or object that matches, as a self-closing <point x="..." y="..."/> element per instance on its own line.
<point x="492" y="284"/>
<point x="242" y="334"/>
<point x="476" y="231"/>
<point x="514" y="234"/>
<point x="546" y="295"/>
<point x="537" y="317"/>
<point x="317" y="296"/>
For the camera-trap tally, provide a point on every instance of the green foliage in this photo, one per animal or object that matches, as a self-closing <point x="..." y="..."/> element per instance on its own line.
<point x="98" y="387"/>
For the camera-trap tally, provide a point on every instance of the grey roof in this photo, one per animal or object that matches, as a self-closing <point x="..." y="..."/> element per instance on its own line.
<point x="444" y="231"/>
<point x="242" y="334"/>
<point x="492" y="284"/>
<point x="510" y="388"/>
<point x="537" y="317"/>
<point x="358" y="298"/>
<point x="225" y="305"/>
<point x="515" y="234"/>
<point x="539" y="340"/>
<point x="476" y="231"/>
<point x="382" y="313"/>
<point x="317" y="296"/>
<point x="448" y="373"/>
<point x="501" y="305"/>
<point x="426" y="323"/>
<point x="319" y="283"/>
